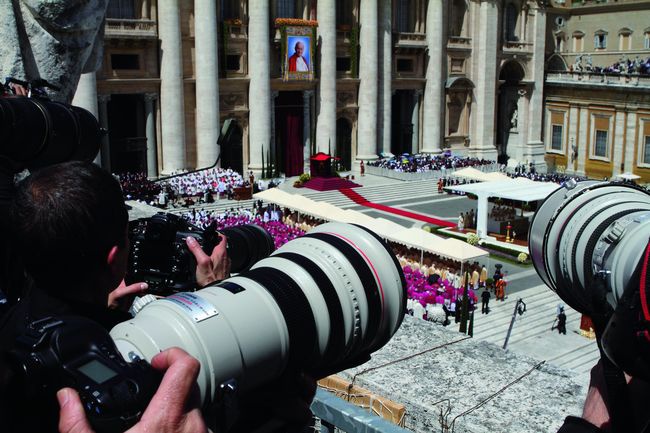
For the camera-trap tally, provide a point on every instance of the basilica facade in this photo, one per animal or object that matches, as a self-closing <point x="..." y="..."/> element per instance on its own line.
<point x="384" y="77"/>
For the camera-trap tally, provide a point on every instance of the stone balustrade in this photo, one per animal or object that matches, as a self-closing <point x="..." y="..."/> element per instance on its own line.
<point x="598" y="79"/>
<point x="130" y="28"/>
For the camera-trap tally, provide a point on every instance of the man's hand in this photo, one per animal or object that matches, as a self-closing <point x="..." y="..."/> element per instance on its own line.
<point x="214" y="267"/>
<point x="173" y="409"/>
<point x="122" y="297"/>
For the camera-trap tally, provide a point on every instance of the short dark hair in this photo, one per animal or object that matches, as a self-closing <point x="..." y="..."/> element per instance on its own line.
<point x="64" y="220"/>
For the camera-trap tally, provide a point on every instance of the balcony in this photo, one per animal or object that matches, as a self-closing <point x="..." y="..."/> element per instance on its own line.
<point x="596" y="80"/>
<point x="236" y="31"/>
<point x="118" y="28"/>
<point x="409" y="40"/>
<point x="517" y="47"/>
<point x="459" y="43"/>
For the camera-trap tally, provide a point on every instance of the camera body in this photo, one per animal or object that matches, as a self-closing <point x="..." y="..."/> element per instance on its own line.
<point x="72" y="351"/>
<point x="159" y="255"/>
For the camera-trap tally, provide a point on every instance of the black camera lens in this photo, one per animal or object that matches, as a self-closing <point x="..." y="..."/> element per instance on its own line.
<point x="39" y="132"/>
<point x="247" y="245"/>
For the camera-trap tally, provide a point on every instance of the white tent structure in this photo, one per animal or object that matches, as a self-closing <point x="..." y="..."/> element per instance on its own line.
<point x="518" y="189"/>
<point x="453" y="249"/>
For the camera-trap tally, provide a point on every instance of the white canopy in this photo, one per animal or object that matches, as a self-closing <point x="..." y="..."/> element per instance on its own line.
<point x="411" y="237"/>
<point x="519" y="189"/>
<point x="628" y="176"/>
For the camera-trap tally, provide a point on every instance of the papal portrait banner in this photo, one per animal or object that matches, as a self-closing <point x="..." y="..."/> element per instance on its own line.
<point x="298" y="48"/>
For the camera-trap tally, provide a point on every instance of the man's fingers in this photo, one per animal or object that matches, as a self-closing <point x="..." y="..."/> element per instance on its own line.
<point x="220" y="249"/>
<point x="180" y="376"/>
<point x="193" y="245"/>
<point x="72" y="418"/>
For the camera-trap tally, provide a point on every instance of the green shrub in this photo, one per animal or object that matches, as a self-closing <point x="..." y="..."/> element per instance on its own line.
<point x="472" y="239"/>
<point x="304" y="177"/>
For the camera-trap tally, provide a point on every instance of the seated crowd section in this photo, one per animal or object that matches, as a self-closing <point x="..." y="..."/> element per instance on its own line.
<point x="419" y="163"/>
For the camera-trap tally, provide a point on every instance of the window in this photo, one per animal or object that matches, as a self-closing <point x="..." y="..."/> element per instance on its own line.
<point x="600" y="40"/>
<point x="558" y="43"/>
<point x="343" y="13"/>
<point x="578" y="45"/>
<point x="229" y="9"/>
<point x="556" y="139"/>
<point x="120" y="9"/>
<point x="404" y="65"/>
<point x="625" y="37"/>
<point x="233" y="62"/>
<point x="125" y="61"/>
<point x="511" y="23"/>
<point x="404" y="18"/>
<point x="343" y="64"/>
<point x="600" y="148"/>
<point x="646" y="149"/>
<point x="646" y="39"/>
<point x="286" y="9"/>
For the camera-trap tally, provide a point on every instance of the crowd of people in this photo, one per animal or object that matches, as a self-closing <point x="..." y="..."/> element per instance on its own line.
<point x="419" y="163"/>
<point x="624" y="65"/>
<point x="136" y="186"/>
<point x="558" y="178"/>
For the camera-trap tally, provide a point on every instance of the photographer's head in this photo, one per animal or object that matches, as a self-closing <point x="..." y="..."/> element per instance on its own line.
<point x="69" y="231"/>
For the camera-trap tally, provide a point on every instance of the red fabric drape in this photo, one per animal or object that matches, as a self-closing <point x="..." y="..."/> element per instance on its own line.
<point x="293" y="157"/>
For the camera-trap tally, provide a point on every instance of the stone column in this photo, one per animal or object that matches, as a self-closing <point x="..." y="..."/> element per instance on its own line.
<point x="386" y="75"/>
<point x="306" y="125"/>
<point x="259" y="96"/>
<point x="483" y="144"/>
<point x="367" y="127"/>
<point x="150" y="131"/>
<point x="273" y="141"/>
<point x="631" y="121"/>
<point x="171" y="87"/>
<point x="535" y="146"/>
<point x="582" y="138"/>
<point x="86" y="97"/>
<point x="207" y="82"/>
<point x="435" y="78"/>
<point x="415" y="120"/>
<point x="105" y="149"/>
<point x="619" y="137"/>
<point x="326" y="120"/>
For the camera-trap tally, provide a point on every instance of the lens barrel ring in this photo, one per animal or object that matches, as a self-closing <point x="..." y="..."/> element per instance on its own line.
<point x="336" y="345"/>
<point x="296" y="311"/>
<point x="367" y="281"/>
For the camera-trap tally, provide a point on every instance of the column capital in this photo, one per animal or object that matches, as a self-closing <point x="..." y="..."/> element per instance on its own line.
<point x="150" y="97"/>
<point x="103" y="99"/>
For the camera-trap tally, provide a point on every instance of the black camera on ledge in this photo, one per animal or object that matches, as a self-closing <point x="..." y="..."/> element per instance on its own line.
<point x="160" y="257"/>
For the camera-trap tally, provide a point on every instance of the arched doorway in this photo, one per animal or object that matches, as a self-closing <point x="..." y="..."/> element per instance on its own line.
<point x="344" y="142"/>
<point x="288" y="155"/>
<point x="232" y="149"/>
<point x="508" y="116"/>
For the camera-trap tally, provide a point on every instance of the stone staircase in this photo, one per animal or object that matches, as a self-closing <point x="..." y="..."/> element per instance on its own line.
<point x="532" y="334"/>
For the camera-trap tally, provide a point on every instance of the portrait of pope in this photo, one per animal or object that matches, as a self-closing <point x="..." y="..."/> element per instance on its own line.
<point x="299" y="57"/>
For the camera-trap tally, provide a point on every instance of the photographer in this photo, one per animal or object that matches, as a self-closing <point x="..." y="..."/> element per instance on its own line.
<point x="69" y="236"/>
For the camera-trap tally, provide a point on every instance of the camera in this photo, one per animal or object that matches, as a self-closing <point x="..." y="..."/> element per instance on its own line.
<point x="589" y="242"/>
<point x="160" y="257"/>
<point x="71" y="351"/>
<point x="321" y="303"/>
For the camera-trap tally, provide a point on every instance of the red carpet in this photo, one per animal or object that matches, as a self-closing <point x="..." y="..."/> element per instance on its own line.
<point x="329" y="183"/>
<point x="360" y="200"/>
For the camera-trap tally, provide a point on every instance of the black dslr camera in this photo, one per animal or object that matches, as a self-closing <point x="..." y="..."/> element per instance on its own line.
<point x="72" y="351"/>
<point x="160" y="257"/>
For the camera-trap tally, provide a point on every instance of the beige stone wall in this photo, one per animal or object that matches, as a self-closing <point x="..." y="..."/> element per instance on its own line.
<point x="612" y="18"/>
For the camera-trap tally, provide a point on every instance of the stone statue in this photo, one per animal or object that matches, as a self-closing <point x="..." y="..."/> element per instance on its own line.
<point x="637" y="65"/>
<point x="589" y="63"/>
<point x="56" y="40"/>
<point x="514" y="119"/>
<point x="577" y="66"/>
<point x="622" y="65"/>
